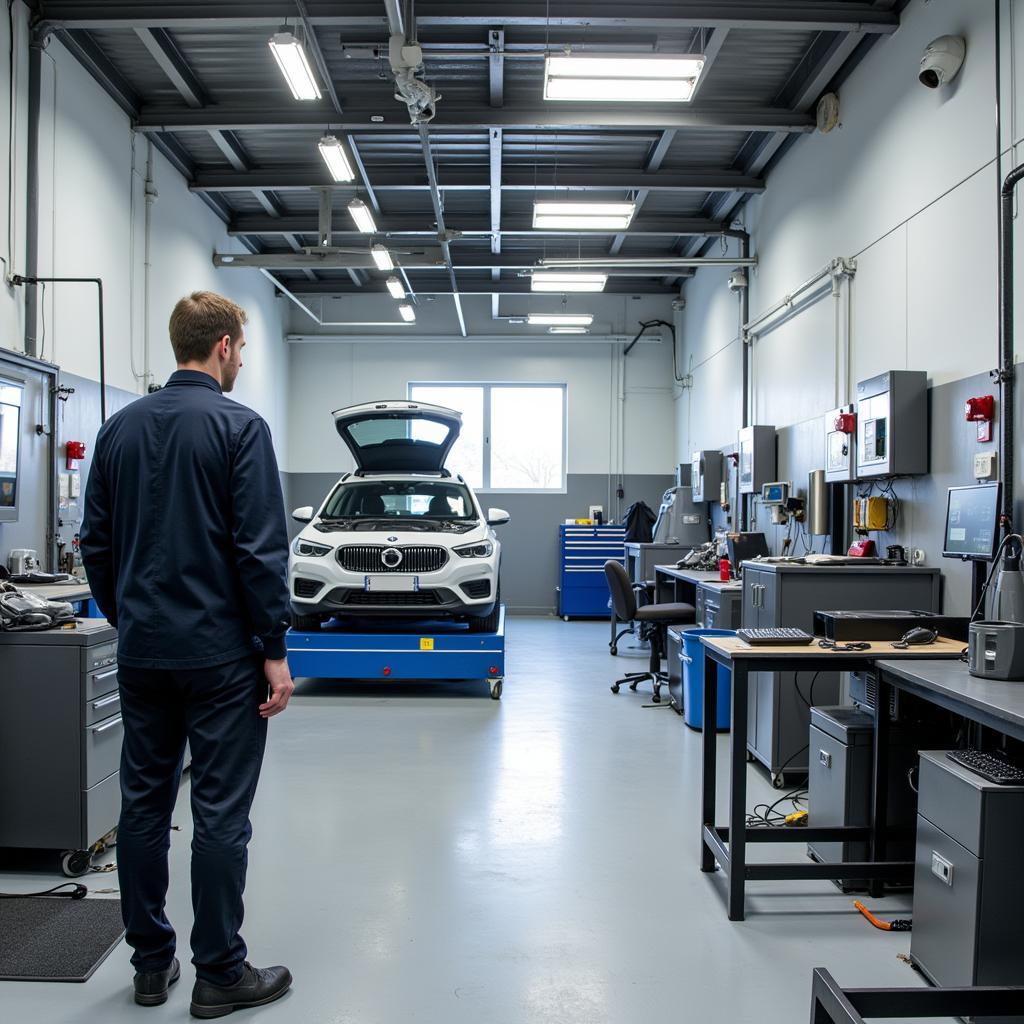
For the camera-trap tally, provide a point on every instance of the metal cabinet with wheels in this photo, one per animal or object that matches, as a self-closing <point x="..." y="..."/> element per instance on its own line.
<point x="583" y="589"/>
<point x="60" y="740"/>
<point x="787" y="594"/>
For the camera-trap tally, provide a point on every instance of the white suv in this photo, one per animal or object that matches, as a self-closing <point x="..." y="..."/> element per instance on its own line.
<point x="401" y="537"/>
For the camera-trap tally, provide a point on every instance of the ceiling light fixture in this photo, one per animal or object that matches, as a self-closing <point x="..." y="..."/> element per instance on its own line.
<point x="568" y="330"/>
<point x="585" y="216"/>
<point x="407" y="313"/>
<point x="557" y="281"/>
<point x="361" y="215"/>
<point x="650" y="78"/>
<point x="395" y="287"/>
<point x="291" y="59"/>
<point x="336" y="158"/>
<point x="560" y="319"/>
<point x="382" y="257"/>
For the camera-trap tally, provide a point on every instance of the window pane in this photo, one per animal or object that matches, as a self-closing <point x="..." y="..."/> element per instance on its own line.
<point x="467" y="455"/>
<point x="526" y="437"/>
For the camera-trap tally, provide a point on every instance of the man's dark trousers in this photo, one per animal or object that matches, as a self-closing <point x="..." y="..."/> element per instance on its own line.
<point x="216" y="710"/>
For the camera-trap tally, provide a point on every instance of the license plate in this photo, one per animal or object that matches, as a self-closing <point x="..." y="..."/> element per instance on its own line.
<point x="391" y="584"/>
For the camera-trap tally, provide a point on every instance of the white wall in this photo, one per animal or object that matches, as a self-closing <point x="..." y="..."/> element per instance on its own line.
<point x="328" y="375"/>
<point x="91" y="224"/>
<point x="908" y="186"/>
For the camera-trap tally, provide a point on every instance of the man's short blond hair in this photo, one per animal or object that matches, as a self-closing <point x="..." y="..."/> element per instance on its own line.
<point x="199" y="321"/>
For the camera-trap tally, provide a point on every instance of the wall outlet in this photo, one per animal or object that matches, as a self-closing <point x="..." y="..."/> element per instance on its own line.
<point x="985" y="466"/>
<point x="917" y="556"/>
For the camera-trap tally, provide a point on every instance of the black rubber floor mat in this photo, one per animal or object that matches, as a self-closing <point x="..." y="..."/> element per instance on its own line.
<point x="56" y="940"/>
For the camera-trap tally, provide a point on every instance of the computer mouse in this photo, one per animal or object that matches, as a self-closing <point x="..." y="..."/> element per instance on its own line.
<point x="919" y="635"/>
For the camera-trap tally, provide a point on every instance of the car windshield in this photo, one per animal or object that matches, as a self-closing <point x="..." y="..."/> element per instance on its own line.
<point x="400" y="499"/>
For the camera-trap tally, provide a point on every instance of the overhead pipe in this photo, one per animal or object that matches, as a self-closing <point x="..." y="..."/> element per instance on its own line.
<point x="1006" y="374"/>
<point x="839" y="267"/>
<point x="35" y="65"/>
<point x="648" y="261"/>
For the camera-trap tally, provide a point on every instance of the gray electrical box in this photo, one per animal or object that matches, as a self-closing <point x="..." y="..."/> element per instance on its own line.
<point x="756" y="458"/>
<point x="706" y="475"/>
<point x="841" y="445"/>
<point x="892" y="424"/>
<point x="968" y="928"/>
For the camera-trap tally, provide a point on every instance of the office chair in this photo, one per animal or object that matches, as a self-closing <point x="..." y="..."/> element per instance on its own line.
<point x="653" y="620"/>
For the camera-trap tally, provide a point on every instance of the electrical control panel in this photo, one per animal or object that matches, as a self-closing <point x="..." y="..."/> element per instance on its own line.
<point x="841" y="445"/>
<point x="892" y="424"/>
<point x="706" y="475"/>
<point x="756" y="458"/>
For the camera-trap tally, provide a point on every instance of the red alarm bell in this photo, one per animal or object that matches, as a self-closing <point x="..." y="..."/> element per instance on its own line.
<point x="846" y="423"/>
<point x="981" y="410"/>
<point x="75" y="451"/>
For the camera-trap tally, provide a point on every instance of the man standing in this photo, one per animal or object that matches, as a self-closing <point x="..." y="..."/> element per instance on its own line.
<point x="186" y="549"/>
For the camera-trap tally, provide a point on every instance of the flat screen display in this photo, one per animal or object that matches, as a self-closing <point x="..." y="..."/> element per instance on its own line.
<point x="10" y="433"/>
<point x="972" y="522"/>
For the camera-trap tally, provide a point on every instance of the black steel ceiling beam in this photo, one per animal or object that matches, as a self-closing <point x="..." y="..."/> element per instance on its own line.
<point x="506" y="286"/>
<point x="318" y="54"/>
<point x="800" y="15"/>
<point x="90" y="55"/>
<point x="314" y="117"/>
<point x="165" y="51"/>
<point x="473" y="180"/>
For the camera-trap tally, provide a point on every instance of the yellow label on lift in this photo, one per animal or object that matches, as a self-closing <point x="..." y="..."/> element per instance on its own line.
<point x="426" y="643"/>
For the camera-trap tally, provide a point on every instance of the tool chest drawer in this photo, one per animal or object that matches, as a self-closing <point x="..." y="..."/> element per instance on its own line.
<point x="583" y="551"/>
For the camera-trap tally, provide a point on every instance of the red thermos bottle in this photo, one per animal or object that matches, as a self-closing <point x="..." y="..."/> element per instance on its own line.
<point x="723" y="570"/>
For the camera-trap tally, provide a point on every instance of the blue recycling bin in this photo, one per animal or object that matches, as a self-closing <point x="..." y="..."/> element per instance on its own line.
<point x="691" y="654"/>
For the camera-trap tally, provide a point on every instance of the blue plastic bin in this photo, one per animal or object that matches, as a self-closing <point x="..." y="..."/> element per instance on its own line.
<point x="691" y="654"/>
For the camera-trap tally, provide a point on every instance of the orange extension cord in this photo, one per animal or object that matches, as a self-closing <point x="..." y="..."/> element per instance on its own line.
<point x="885" y="926"/>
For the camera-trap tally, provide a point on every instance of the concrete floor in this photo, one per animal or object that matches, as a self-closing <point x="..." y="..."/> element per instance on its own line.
<point x="424" y="853"/>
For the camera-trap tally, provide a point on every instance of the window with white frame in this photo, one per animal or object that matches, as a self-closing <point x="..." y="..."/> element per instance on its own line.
<point x="513" y="435"/>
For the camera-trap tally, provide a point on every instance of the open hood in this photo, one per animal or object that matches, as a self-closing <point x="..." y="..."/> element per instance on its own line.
<point x="398" y="437"/>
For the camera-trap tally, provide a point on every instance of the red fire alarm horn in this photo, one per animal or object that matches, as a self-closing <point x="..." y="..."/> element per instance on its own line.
<point x="75" y="451"/>
<point x="981" y="410"/>
<point x="846" y="423"/>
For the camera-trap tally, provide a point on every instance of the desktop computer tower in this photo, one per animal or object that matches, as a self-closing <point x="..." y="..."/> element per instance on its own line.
<point x="839" y="785"/>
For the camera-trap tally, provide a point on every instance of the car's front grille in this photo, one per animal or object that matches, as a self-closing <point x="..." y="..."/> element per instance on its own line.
<point x="391" y="599"/>
<point x="477" y="588"/>
<point x="415" y="558"/>
<point x="306" y="588"/>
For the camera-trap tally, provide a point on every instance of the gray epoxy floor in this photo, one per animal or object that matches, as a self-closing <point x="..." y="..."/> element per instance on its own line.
<point x="422" y="853"/>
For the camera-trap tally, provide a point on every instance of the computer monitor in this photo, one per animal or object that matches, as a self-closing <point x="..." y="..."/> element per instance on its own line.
<point x="744" y="546"/>
<point x="972" y="522"/>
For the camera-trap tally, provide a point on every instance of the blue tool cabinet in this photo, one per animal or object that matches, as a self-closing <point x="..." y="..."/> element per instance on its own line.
<point x="583" y="590"/>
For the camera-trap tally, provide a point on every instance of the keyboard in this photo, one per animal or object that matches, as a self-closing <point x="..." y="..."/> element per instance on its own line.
<point x="776" y="636"/>
<point x="995" y="769"/>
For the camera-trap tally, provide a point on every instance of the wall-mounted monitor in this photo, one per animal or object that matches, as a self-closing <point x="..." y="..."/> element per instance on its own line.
<point x="972" y="522"/>
<point x="11" y="397"/>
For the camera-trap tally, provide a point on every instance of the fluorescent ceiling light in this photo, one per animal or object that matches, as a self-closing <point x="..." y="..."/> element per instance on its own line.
<point x="560" y="319"/>
<point x="650" y="78"/>
<point x="407" y="313"/>
<point x="361" y="215"/>
<point x="395" y="287"/>
<point x="336" y="158"/>
<point x="291" y="59"/>
<point x="381" y="257"/>
<point x="592" y="216"/>
<point x="558" y="281"/>
<point x="568" y="330"/>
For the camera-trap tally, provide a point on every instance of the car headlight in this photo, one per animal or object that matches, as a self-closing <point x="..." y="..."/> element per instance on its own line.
<point x="482" y="550"/>
<point x="309" y="549"/>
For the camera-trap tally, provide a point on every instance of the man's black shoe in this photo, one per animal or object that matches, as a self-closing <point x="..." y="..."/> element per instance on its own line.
<point x="151" y="986"/>
<point x="257" y="987"/>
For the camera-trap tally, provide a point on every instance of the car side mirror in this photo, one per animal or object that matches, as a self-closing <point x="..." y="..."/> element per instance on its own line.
<point x="304" y="514"/>
<point x="497" y="517"/>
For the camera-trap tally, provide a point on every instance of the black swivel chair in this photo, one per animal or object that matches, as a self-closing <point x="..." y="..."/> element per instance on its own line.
<point x="653" y="620"/>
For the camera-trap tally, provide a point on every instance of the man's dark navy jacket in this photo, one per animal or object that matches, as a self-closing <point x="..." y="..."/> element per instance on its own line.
<point x="184" y="537"/>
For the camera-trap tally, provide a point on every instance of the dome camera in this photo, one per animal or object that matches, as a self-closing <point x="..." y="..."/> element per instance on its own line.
<point x="941" y="61"/>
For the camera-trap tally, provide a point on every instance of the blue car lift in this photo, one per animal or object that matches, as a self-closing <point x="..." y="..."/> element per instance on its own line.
<point x="439" y="650"/>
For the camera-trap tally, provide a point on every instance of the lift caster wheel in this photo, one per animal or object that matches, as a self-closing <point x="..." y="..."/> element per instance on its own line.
<point x="75" y="863"/>
<point x="565" y="618"/>
<point x="613" y="650"/>
<point x="656" y="699"/>
<point x="614" y="687"/>
<point x="496" y="688"/>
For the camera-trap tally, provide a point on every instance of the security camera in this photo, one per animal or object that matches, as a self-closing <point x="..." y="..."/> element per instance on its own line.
<point x="737" y="281"/>
<point x="941" y="61"/>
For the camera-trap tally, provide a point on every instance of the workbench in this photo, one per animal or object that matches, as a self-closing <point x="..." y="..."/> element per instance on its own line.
<point x="728" y="846"/>
<point x="428" y="651"/>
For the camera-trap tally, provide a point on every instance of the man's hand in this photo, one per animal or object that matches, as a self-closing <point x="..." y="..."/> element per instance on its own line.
<point x="279" y="677"/>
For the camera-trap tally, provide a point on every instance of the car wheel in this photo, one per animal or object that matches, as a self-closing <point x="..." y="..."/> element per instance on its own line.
<point x="305" y="623"/>
<point x="489" y="623"/>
